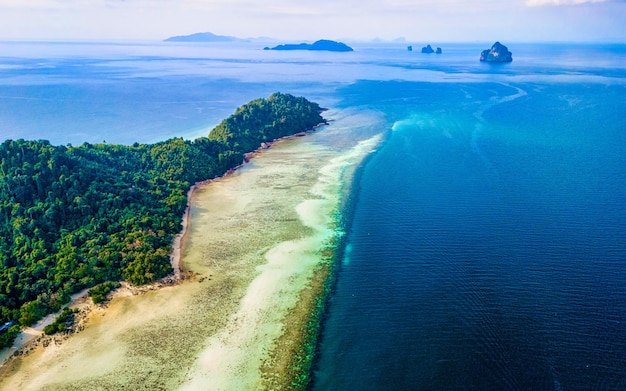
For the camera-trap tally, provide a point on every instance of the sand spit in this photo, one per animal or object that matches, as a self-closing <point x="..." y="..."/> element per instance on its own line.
<point x="256" y="244"/>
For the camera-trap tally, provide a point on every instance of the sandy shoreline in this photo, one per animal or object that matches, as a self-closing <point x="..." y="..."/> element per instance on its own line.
<point x="254" y="247"/>
<point x="179" y="240"/>
<point x="31" y="338"/>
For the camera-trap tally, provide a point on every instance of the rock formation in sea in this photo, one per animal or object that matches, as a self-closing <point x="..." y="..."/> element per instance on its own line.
<point x="429" y="49"/>
<point x="322" y="44"/>
<point x="497" y="53"/>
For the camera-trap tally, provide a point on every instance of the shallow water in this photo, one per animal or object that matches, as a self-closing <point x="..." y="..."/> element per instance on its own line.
<point x="290" y="208"/>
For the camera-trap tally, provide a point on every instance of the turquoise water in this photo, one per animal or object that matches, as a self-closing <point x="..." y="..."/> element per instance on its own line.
<point x="486" y="244"/>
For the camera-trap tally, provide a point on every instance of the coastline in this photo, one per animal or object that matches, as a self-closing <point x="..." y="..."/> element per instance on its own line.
<point x="178" y="243"/>
<point x="31" y="338"/>
<point x="252" y="248"/>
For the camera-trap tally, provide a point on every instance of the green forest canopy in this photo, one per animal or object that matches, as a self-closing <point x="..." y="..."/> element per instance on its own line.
<point x="74" y="217"/>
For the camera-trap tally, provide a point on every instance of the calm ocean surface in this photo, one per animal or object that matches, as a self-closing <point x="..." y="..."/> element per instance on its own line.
<point x="486" y="237"/>
<point x="487" y="247"/>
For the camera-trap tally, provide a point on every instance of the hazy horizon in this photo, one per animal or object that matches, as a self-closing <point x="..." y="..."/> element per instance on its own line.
<point x="349" y="20"/>
<point x="348" y="40"/>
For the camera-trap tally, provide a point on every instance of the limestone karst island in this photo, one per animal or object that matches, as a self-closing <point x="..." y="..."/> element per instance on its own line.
<point x="497" y="53"/>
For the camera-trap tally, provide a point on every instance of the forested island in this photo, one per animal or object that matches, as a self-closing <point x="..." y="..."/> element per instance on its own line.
<point x="73" y="217"/>
<point x="322" y="44"/>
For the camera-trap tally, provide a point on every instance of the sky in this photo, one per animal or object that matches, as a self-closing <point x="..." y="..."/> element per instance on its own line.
<point x="293" y="20"/>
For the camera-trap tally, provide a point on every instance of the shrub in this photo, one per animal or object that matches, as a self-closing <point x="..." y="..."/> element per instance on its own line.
<point x="99" y="293"/>
<point x="62" y="322"/>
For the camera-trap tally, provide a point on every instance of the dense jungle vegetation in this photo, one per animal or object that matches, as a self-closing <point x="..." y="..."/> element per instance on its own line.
<point x="72" y="217"/>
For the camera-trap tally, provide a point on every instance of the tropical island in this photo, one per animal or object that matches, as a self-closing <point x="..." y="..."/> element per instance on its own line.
<point x="75" y="217"/>
<point x="258" y="252"/>
<point x="323" y="44"/>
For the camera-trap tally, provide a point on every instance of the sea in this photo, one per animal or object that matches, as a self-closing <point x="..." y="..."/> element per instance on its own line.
<point x="485" y="237"/>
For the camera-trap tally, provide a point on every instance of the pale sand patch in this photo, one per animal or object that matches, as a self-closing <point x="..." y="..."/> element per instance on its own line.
<point x="254" y="242"/>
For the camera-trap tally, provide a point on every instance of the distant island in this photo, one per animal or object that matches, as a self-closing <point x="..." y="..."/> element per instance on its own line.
<point x="429" y="49"/>
<point x="322" y="44"/>
<point x="497" y="53"/>
<point x="203" y="37"/>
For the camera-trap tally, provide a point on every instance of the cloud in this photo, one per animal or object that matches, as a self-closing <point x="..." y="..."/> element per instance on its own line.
<point x="539" y="3"/>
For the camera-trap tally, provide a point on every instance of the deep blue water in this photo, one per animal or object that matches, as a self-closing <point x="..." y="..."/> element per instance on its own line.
<point x="487" y="245"/>
<point x="486" y="237"/>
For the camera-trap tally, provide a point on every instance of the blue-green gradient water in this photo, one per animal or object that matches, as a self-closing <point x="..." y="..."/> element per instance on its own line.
<point x="486" y="236"/>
